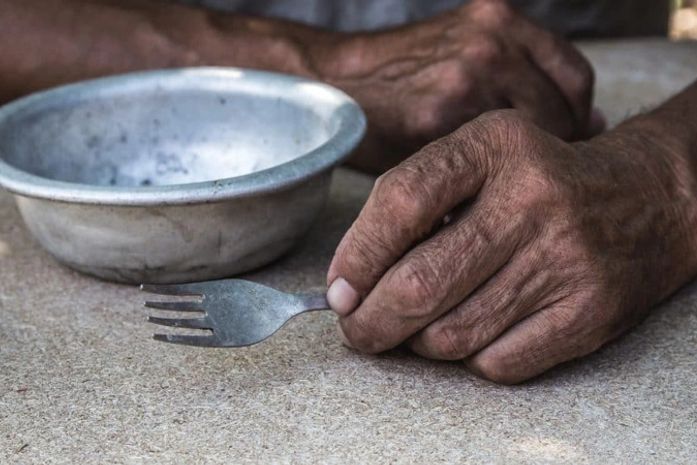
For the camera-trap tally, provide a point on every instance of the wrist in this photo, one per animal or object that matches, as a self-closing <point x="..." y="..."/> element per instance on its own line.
<point x="662" y="145"/>
<point x="667" y="147"/>
<point x="199" y="37"/>
<point x="671" y="128"/>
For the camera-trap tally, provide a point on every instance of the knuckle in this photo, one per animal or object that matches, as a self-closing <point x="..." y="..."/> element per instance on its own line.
<point x="486" y="232"/>
<point x="532" y="179"/>
<point x="535" y="188"/>
<point x="485" y="50"/>
<point x="507" y="119"/>
<point x="487" y="142"/>
<point x="451" y="74"/>
<point x="433" y="118"/>
<point x="512" y="127"/>
<point x="496" y="13"/>
<point x="495" y="368"/>
<point x="576" y="331"/>
<point x="522" y="131"/>
<point x="455" y="82"/>
<point x="425" y="124"/>
<point x="559" y="323"/>
<point x="404" y="198"/>
<point x="361" y="252"/>
<point x="568" y="325"/>
<point x="420" y="287"/>
<point x="444" y="342"/>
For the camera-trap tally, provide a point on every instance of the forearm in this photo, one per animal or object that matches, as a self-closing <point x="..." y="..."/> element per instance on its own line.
<point x="50" y="42"/>
<point x="668" y="134"/>
<point x="673" y="125"/>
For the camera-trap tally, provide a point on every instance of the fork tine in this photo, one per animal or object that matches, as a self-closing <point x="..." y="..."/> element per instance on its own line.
<point x="190" y="340"/>
<point x="192" y="323"/>
<point x="176" y="306"/>
<point x="172" y="289"/>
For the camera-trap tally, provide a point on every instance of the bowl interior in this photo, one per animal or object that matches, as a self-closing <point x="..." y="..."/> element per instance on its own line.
<point x="151" y="133"/>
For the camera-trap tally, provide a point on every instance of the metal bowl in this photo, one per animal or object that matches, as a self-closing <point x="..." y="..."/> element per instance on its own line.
<point x="177" y="175"/>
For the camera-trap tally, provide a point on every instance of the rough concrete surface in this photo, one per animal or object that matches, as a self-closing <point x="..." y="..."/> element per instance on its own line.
<point x="81" y="381"/>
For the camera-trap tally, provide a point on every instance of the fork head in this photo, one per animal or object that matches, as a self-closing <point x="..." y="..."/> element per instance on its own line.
<point x="237" y="313"/>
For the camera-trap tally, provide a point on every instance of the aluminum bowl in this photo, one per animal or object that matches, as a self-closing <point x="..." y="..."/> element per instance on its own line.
<point x="177" y="175"/>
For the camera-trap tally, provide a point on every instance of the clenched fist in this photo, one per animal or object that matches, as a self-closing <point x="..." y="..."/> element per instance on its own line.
<point x="503" y="246"/>
<point x="422" y="81"/>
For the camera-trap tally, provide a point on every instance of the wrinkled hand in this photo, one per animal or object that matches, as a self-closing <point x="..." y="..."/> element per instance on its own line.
<point x="551" y="249"/>
<point x="422" y="81"/>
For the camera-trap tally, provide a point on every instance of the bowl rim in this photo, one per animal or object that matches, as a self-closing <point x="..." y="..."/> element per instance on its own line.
<point x="350" y="129"/>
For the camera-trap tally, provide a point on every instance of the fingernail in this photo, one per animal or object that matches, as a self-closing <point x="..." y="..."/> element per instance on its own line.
<point x="342" y="298"/>
<point x="342" y="336"/>
<point x="598" y="122"/>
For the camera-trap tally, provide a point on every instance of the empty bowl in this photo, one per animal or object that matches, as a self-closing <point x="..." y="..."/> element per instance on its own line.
<point x="177" y="175"/>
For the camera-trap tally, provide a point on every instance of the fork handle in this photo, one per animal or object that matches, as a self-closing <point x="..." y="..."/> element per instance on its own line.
<point x="314" y="302"/>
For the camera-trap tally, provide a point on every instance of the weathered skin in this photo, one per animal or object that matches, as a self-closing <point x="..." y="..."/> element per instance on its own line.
<point x="416" y="83"/>
<point x="554" y="249"/>
<point x="422" y="81"/>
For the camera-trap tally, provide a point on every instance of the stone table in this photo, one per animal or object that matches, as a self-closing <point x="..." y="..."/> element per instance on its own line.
<point x="82" y="382"/>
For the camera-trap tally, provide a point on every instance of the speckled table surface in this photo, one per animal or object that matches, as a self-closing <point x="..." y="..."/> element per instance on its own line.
<point x="82" y="382"/>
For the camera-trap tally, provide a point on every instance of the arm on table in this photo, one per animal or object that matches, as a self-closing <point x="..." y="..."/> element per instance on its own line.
<point x="416" y="83"/>
<point x="51" y="42"/>
<point x="553" y="248"/>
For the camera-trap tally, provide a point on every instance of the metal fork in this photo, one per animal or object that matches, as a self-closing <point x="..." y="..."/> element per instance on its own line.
<point x="237" y="312"/>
